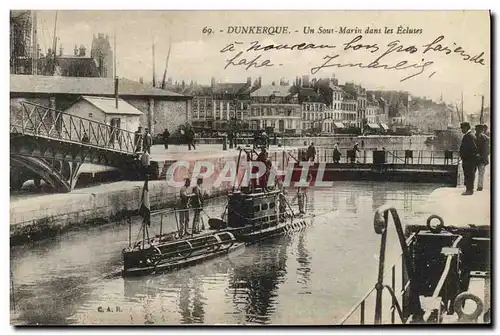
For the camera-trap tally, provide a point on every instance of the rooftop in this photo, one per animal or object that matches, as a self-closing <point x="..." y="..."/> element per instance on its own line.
<point x="108" y="105"/>
<point x="83" y="86"/>
<point x="269" y="90"/>
<point x="230" y="88"/>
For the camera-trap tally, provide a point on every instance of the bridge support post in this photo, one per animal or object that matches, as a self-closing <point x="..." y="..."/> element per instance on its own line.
<point x="74" y="174"/>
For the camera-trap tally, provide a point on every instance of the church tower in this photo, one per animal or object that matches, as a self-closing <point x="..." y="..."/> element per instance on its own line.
<point x="102" y="54"/>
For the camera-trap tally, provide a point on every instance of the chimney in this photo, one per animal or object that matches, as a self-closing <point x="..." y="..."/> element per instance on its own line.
<point x="60" y="50"/>
<point x="212" y="82"/>
<point x="305" y="81"/>
<point x="249" y="80"/>
<point x="75" y="50"/>
<point x="260" y="81"/>
<point x="82" y="51"/>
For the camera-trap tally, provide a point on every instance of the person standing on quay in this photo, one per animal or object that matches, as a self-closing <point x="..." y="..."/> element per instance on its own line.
<point x="190" y="138"/>
<point x="138" y="139"/>
<point x="469" y="156"/>
<point x="147" y="141"/>
<point x="166" y="136"/>
<point x="354" y="152"/>
<point x="311" y="153"/>
<point x="483" y="146"/>
<point x="146" y="164"/>
<point x="336" y="154"/>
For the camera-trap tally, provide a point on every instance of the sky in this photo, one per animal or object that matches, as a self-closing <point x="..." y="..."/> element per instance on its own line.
<point x="196" y="56"/>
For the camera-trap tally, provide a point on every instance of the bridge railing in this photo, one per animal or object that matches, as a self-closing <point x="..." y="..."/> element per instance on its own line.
<point x="41" y="121"/>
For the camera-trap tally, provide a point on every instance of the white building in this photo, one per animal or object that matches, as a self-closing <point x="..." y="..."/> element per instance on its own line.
<point x="102" y="109"/>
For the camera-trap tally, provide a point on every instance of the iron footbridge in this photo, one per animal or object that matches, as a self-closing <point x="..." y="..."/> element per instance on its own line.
<point x="53" y="144"/>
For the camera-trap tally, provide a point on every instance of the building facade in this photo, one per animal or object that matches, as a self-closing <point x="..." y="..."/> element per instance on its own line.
<point x="276" y="107"/>
<point x="160" y="108"/>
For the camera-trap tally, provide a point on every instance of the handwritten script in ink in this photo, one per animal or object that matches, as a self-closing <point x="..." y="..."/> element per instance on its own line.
<point x="258" y="55"/>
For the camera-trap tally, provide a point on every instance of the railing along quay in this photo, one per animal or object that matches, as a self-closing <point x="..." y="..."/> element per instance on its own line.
<point x="372" y="156"/>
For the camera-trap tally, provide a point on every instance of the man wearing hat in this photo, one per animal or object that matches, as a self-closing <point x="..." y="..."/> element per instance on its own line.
<point x="184" y="208"/>
<point x="469" y="156"/>
<point x="197" y="204"/>
<point x="483" y="146"/>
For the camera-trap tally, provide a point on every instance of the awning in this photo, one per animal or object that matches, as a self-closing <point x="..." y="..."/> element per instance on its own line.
<point x="384" y="126"/>
<point x="373" y="126"/>
<point x="338" y="125"/>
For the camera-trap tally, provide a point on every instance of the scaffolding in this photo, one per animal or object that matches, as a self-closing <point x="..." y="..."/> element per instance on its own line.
<point x="21" y="48"/>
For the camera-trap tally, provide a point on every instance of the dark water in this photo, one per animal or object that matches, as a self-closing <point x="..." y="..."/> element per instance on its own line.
<point x="312" y="277"/>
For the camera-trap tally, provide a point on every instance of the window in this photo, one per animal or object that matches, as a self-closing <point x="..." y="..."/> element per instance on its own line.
<point x="264" y="207"/>
<point x="272" y="205"/>
<point x="256" y="208"/>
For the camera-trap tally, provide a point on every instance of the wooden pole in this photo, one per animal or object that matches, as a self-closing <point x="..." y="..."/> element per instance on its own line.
<point x="462" y="107"/>
<point x="129" y="232"/>
<point x="482" y="110"/>
<point x="161" y="225"/>
<point x="154" y="70"/>
<point x="114" y="56"/>
<point x="143" y="235"/>
<point x="54" y="46"/>
<point x="164" y="81"/>
<point x="116" y="92"/>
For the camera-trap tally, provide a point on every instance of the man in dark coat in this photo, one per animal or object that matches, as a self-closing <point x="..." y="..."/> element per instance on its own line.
<point x="147" y="141"/>
<point x="469" y="155"/>
<point x="166" y="136"/>
<point x="311" y="152"/>
<point x="190" y="138"/>
<point x="483" y="146"/>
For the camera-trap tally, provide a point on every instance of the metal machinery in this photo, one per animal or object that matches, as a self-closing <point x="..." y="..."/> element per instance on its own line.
<point x="438" y="264"/>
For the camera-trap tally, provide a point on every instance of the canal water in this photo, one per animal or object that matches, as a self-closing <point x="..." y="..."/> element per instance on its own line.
<point x="311" y="277"/>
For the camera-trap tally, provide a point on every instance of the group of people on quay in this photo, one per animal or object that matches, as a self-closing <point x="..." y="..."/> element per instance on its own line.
<point x="143" y="140"/>
<point x="474" y="152"/>
<point x="310" y="154"/>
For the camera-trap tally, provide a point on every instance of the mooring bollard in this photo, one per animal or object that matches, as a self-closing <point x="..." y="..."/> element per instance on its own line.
<point x="224" y="143"/>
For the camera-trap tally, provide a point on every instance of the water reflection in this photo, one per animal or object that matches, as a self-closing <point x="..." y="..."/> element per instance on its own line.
<point x="309" y="278"/>
<point x="335" y="200"/>
<point x="352" y="200"/>
<point x="254" y="291"/>
<point x="304" y="260"/>
<point x="190" y="301"/>
<point x="379" y="195"/>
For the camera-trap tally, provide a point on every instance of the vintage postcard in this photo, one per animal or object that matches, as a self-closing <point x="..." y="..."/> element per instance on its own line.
<point x="250" y="167"/>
